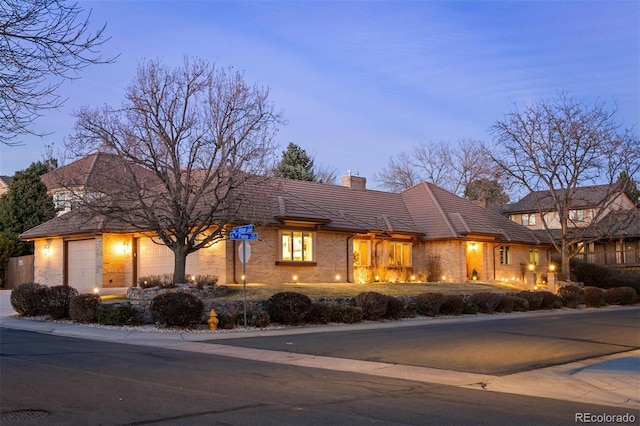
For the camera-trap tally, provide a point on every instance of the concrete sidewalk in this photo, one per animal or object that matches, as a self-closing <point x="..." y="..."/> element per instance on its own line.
<point x="612" y="380"/>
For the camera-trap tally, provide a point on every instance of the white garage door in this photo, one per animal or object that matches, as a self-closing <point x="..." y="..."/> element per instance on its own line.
<point x="157" y="259"/>
<point x="81" y="263"/>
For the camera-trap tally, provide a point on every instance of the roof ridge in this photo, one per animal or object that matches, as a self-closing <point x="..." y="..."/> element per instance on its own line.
<point x="440" y="209"/>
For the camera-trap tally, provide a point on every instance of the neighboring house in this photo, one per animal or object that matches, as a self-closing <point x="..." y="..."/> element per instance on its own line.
<point x="5" y="183"/>
<point x="86" y="178"/>
<point x="603" y="219"/>
<point x="309" y="232"/>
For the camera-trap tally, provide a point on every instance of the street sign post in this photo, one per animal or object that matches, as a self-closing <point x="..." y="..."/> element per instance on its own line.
<point x="244" y="233"/>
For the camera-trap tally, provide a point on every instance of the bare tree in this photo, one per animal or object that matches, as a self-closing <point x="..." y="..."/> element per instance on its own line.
<point x="451" y="167"/>
<point x="42" y="44"/>
<point x="552" y="148"/>
<point x="202" y="133"/>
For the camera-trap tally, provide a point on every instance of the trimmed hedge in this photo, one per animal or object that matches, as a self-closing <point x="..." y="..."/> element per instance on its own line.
<point x="593" y="297"/>
<point x="452" y="305"/>
<point x="373" y="304"/>
<point x="84" y="308"/>
<point x="59" y="299"/>
<point x="346" y="314"/>
<point x="429" y="304"/>
<point x="571" y="296"/>
<point x="487" y="303"/>
<point x="177" y="309"/>
<point x="620" y="296"/>
<point x="289" y="307"/>
<point x="118" y="314"/>
<point x="30" y="299"/>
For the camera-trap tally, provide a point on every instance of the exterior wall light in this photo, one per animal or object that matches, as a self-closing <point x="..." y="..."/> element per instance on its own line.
<point x="337" y="277"/>
<point x="532" y="267"/>
<point x="46" y="250"/>
<point x="552" y="267"/>
<point x="295" y="278"/>
<point x="124" y="247"/>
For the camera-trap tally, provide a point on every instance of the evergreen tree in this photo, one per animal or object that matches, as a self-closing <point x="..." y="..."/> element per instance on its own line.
<point x="27" y="203"/>
<point x="488" y="192"/>
<point x="295" y="164"/>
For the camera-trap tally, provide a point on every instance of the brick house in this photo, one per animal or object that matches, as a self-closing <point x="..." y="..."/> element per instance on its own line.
<point x="308" y="232"/>
<point x="604" y="220"/>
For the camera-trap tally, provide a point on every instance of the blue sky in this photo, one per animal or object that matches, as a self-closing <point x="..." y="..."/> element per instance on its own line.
<point x="360" y="81"/>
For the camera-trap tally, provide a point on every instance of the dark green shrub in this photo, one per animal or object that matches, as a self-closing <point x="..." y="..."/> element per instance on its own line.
<point x="452" y="305"/>
<point x="257" y="319"/>
<point x="550" y="300"/>
<point x="429" y="303"/>
<point x="118" y="314"/>
<point x="593" y="297"/>
<point x="620" y="296"/>
<point x="374" y="305"/>
<point x="520" y="304"/>
<point x="30" y="299"/>
<point x="604" y="277"/>
<point x="227" y="320"/>
<point x="571" y="296"/>
<point x="319" y="313"/>
<point x="84" y="308"/>
<point x="289" y="307"/>
<point x="506" y="304"/>
<point x="59" y="298"/>
<point x="346" y="314"/>
<point x="469" y="309"/>
<point x="534" y="298"/>
<point x="177" y="309"/>
<point x="395" y="308"/>
<point x="486" y="302"/>
<point x="162" y="281"/>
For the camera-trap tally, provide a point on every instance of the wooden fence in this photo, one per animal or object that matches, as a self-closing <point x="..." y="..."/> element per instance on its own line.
<point x="19" y="271"/>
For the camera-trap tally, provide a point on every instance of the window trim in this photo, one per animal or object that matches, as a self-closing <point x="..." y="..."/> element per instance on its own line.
<point x="403" y="255"/>
<point x="304" y="234"/>
<point x="505" y="255"/>
<point x="368" y="260"/>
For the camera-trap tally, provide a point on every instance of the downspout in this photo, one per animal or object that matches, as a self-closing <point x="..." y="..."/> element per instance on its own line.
<point x="348" y="251"/>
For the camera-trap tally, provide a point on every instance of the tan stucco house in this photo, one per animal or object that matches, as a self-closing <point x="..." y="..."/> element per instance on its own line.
<point x="310" y="232"/>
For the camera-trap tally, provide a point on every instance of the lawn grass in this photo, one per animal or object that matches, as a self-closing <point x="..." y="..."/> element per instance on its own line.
<point x="264" y="291"/>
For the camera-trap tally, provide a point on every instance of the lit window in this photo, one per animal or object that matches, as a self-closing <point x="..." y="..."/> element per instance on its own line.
<point x="529" y="219"/>
<point x="361" y="250"/>
<point x="399" y="254"/>
<point x="576" y="215"/>
<point x="505" y="255"/>
<point x="297" y="246"/>
<point x="534" y="256"/>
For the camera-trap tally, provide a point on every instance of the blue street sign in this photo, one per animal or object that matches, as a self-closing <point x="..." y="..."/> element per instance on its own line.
<point x="246" y="229"/>
<point x="239" y="236"/>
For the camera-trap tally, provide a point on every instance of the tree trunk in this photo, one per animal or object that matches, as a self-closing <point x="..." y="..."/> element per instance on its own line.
<point x="180" y="265"/>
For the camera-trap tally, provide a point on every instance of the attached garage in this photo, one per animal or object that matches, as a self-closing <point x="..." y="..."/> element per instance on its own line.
<point x="158" y="259"/>
<point x="81" y="263"/>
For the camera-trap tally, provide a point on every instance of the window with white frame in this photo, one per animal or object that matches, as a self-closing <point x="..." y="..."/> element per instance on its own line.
<point x="529" y="219"/>
<point x="399" y="254"/>
<point x="361" y="252"/>
<point x="297" y="246"/>
<point x="505" y="255"/>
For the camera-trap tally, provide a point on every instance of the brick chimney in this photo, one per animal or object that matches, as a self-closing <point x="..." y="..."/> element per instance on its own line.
<point x="354" y="182"/>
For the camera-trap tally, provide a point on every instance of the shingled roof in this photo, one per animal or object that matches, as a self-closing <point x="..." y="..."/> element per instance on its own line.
<point x="96" y="172"/>
<point x="425" y="211"/>
<point x="584" y="197"/>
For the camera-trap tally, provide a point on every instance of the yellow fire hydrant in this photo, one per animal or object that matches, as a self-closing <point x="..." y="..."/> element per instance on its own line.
<point x="213" y="320"/>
